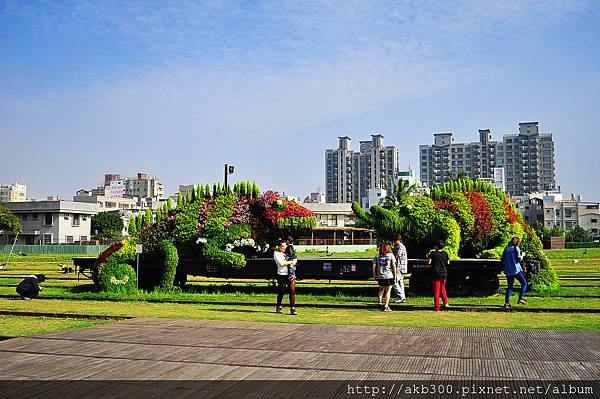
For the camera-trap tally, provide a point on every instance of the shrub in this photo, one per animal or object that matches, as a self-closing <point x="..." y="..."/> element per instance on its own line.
<point x="575" y="245"/>
<point x="152" y="236"/>
<point x="171" y="260"/>
<point x="546" y="280"/>
<point x="117" y="278"/>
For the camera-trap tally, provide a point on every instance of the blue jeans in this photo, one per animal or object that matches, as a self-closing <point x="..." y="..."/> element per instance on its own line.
<point x="511" y="280"/>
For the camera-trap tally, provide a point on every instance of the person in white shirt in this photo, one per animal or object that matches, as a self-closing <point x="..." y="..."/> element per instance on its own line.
<point x="402" y="268"/>
<point x="284" y="280"/>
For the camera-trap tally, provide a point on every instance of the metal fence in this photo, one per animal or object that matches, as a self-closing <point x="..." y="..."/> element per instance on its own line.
<point x="54" y="249"/>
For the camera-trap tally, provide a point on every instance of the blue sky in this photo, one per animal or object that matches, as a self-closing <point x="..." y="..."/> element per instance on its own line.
<point x="177" y="89"/>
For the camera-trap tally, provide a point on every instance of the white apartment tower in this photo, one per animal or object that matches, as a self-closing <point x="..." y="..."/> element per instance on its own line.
<point x="527" y="159"/>
<point x="349" y="175"/>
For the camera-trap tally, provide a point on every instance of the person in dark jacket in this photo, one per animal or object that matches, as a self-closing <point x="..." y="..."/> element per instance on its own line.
<point x="30" y="288"/>
<point x="438" y="259"/>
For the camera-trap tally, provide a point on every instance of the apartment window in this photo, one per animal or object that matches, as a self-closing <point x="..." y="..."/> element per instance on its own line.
<point x="568" y="213"/>
<point x="66" y="216"/>
<point x="69" y="240"/>
<point x="34" y="216"/>
<point x="594" y="221"/>
<point x="47" y="239"/>
<point x="24" y="216"/>
<point x="47" y="219"/>
<point x="83" y="238"/>
<point x="75" y="221"/>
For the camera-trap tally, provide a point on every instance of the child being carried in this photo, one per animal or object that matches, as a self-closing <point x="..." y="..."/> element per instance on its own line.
<point x="290" y="254"/>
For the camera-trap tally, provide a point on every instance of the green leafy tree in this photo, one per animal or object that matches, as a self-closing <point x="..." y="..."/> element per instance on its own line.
<point x="255" y="190"/>
<point x="179" y="200"/>
<point x="139" y="222"/>
<point x="207" y="190"/>
<point x="132" y="228"/>
<point x="148" y="217"/>
<point x="579" y="234"/>
<point x="169" y="204"/>
<point x="397" y="193"/>
<point x="159" y="215"/>
<point x="8" y="221"/>
<point x="107" y="225"/>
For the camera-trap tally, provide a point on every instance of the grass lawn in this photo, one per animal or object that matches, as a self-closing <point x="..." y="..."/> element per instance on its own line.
<point x="578" y="279"/>
<point x="12" y="326"/>
<point x="314" y="315"/>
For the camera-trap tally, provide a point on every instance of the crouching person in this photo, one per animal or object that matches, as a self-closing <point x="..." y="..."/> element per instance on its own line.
<point x="30" y="288"/>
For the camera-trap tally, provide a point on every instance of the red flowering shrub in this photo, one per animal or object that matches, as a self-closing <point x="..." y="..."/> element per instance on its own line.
<point x="102" y="258"/>
<point x="108" y="252"/>
<point x="483" y="214"/>
<point x="511" y="216"/>
<point x="446" y="204"/>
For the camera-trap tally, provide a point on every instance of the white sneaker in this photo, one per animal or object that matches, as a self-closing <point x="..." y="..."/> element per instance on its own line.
<point x="447" y="305"/>
<point x="401" y="301"/>
<point x="387" y="309"/>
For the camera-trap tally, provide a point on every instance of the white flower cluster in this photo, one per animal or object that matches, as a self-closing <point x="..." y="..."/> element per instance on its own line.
<point x="201" y="240"/>
<point x="261" y="249"/>
<point x="244" y="242"/>
<point x="122" y="281"/>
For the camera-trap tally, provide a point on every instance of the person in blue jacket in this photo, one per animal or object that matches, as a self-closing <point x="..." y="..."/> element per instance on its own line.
<point x="511" y="260"/>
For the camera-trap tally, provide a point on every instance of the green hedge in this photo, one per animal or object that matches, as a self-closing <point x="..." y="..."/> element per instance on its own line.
<point x="576" y="245"/>
<point x="118" y="278"/>
<point x="171" y="260"/>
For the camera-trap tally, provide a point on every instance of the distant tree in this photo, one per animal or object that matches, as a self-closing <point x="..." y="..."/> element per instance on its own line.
<point x="169" y="204"/>
<point x="148" y="218"/>
<point x="132" y="228"/>
<point x="139" y="222"/>
<point x="397" y="192"/>
<point x="579" y="234"/>
<point x="8" y="221"/>
<point x="159" y="215"/>
<point x="179" y="200"/>
<point x="200" y="191"/>
<point x="107" y="225"/>
<point x="255" y="190"/>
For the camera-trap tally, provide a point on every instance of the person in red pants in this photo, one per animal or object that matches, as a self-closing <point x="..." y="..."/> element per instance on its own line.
<point x="438" y="259"/>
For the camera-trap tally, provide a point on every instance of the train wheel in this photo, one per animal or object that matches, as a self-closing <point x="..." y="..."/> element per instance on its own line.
<point x="484" y="284"/>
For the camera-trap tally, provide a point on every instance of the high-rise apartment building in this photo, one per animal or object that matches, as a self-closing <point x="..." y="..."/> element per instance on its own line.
<point x="527" y="159"/>
<point x="349" y="175"/>
<point x="13" y="193"/>
<point x="445" y="158"/>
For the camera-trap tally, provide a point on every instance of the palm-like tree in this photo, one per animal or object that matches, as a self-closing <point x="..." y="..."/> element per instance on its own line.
<point x="397" y="192"/>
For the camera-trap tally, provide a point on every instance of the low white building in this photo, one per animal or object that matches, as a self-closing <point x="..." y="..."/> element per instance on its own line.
<point x="51" y="222"/>
<point x="374" y="195"/>
<point x="335" y="226"/>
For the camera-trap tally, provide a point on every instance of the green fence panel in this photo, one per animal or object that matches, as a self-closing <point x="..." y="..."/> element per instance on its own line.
<point x="55" y="249"/>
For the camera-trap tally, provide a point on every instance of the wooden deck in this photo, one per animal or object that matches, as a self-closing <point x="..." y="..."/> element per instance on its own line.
<point x="173" y="349"/>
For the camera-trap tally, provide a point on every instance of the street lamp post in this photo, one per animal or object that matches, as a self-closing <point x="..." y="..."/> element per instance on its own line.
<point x="229" y="169"/>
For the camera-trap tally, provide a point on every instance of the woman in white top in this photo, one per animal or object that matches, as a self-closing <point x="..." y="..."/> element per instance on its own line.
<point x="284" y="279"/>
<point x="384" y="271"/>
